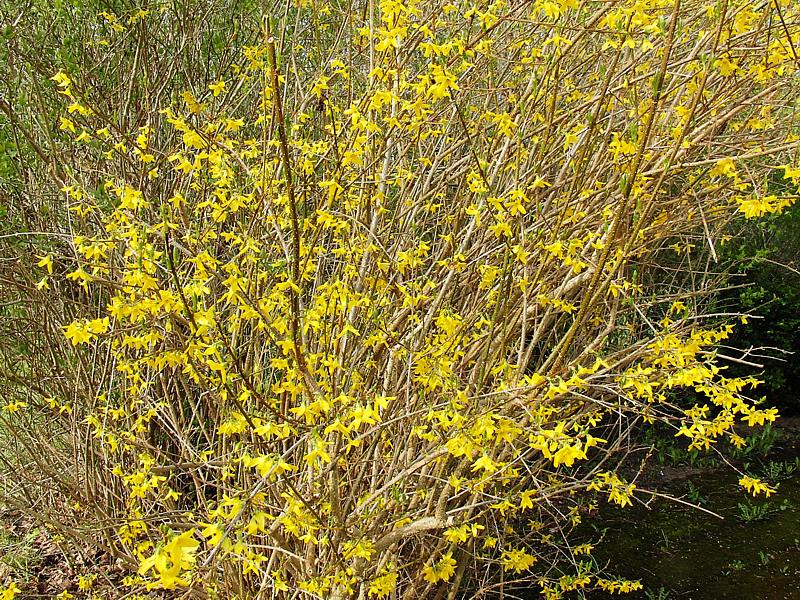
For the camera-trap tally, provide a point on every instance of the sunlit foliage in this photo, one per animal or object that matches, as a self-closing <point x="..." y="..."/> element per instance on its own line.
<point x="370" y="307"/>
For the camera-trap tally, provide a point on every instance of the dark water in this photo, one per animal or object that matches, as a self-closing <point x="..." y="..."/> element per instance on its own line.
<point x="681" y="553"/>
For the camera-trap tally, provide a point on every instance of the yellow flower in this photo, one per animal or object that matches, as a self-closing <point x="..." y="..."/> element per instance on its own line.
<point x="172" y="560"/>
<point x="217" y="88"/>
<point x="10" y="592"/>
<point x="77" y="334"/>
<point x="756" y="486"/>
<point x="440" y="571"/>
<point x="517" y="560"/>
<point x="85" y="582"/>
<point x="66" y="124"/>
<point x="194" y="106"/>
<point x="567" y="455"/>
<point x="382" y="586"/>
<point x="485" y="463"/>
<point x="62" y="80"/>
<point x="46" y="261"/>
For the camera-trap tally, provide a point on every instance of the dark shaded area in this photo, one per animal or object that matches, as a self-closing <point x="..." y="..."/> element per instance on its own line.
<point x="682" y="553"/>
<point x="766" y="255"/>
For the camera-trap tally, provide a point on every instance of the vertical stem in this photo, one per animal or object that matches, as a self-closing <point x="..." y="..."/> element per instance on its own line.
<point x="294" y="297"/>
<point x="595" y="288"/>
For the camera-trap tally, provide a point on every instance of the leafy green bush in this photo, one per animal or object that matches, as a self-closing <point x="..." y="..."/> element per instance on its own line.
<point x="765" y="255"/>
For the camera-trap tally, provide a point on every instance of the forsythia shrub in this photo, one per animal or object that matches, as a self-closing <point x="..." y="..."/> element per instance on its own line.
<point x="366" y="310"/>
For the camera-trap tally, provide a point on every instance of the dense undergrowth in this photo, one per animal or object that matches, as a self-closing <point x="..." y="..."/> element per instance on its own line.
<point x="765" y="254"/>
<point x="363" y="300"/>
